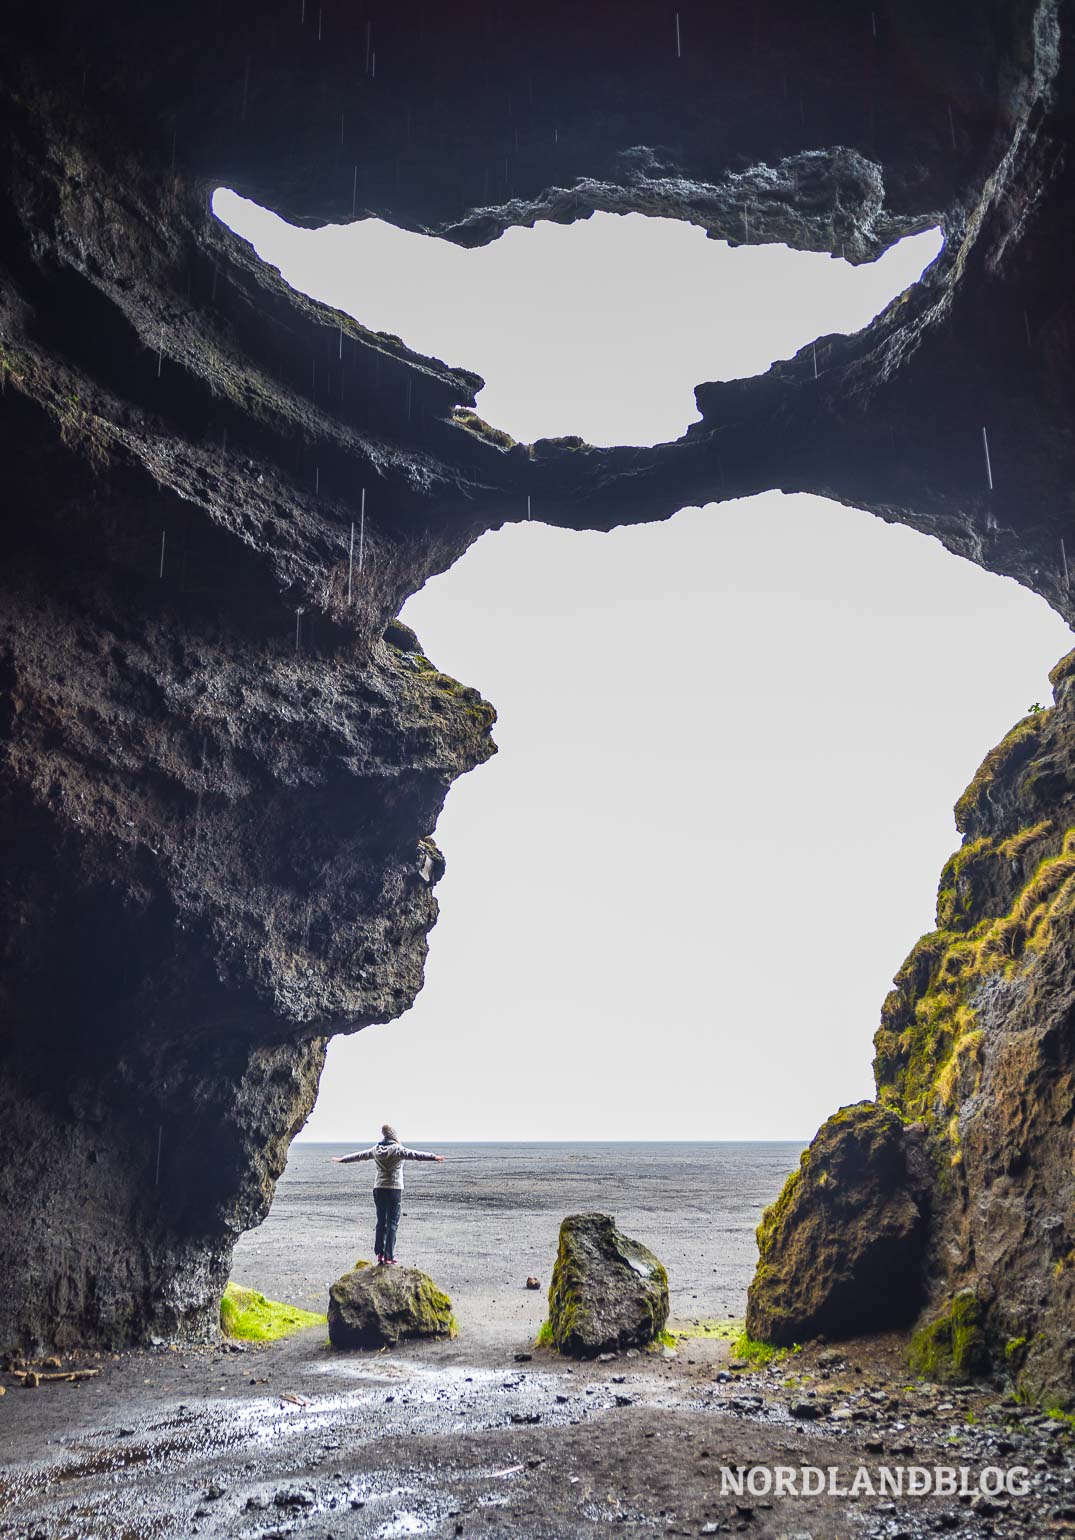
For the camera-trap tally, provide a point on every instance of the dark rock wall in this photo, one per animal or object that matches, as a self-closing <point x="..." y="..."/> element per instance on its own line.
<point x="975" y="1072"/>
<point x="977" y="1041"/>
<point x="218" y="781"/>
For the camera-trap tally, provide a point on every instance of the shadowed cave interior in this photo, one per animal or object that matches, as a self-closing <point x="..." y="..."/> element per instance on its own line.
<point x="220" y="847"/>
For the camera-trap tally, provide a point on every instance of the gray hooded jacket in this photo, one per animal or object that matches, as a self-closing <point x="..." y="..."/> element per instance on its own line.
<point x="389" y="1157"/>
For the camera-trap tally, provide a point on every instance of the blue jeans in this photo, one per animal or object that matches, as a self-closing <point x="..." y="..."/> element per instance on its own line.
<point x="388" y="1202"/>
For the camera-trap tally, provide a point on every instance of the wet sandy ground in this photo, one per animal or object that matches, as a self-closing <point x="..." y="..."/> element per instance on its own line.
<point x="486" y="1436"/>
<point x="443" y="1440"/>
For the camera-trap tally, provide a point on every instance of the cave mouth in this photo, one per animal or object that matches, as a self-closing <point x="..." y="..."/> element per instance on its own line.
<point x="726" y="761"/>
<point x="601" y="328"/>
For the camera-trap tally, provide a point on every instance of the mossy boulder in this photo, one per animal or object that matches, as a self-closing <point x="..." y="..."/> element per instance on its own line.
<point x="607" y="1292"/>
<point x="378" y="1306"/>
<point x="953" y="1347"/>
<point x="841" y="1249"/>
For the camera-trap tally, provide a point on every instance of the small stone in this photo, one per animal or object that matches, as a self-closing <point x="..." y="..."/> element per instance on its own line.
<point x="523" y="1358"/>
<point x="806" y="1410"/>
<point x="293" y="1497"/>
<point x="605" y="1358"/>
<point x="533" y="1283"/>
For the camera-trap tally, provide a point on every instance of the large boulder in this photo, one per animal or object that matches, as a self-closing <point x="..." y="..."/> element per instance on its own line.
<point x="607" y="1291"/>
<point x="375" y="1306"/>
<point x="841" y="1249"/>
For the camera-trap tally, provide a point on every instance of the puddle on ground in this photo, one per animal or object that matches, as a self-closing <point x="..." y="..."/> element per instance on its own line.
<point x="402" y="1524"/>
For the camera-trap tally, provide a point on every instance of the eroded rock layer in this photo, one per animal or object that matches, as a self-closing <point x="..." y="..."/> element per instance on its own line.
<point x="218" y="779"/>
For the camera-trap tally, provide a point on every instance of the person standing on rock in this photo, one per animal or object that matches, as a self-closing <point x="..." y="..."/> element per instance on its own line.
<point x="389" y="1156"/>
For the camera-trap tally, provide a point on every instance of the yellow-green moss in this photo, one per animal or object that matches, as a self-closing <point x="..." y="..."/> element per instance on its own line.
<point x="773" y="1215"/>
<point x="1015" y="1350"/>
<point x="1063" y="670"/>
<point x="247" y="1314"/>
<point x="1011" y="849"/>
<point x="465" y="418"/>
<point x="952" y="1348"/>
<point x="759" y="1354"/>
<point x="928" y="1043"/>
<point x="1021" y="737"/>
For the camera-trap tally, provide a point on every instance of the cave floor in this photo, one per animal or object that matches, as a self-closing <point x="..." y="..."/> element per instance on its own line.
<point x="446" y="1439"/>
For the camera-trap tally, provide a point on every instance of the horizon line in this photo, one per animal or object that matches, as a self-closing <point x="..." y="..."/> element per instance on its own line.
<point x="299" y="1140"/>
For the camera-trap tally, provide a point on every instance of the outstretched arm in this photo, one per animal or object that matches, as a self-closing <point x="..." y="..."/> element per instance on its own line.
<point x="418" y="1154"/>
<point x="345" y="1160"/>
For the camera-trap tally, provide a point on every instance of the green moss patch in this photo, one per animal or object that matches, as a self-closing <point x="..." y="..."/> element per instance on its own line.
<point x="760" y="1354"/>
<point x="952" y="1348"/>
<point x="1019" y="744"/>
<point x="928" y="1046"/>
<point x="249" y="1315"/>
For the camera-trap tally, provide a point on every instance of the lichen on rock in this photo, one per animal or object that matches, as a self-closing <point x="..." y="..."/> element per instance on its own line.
<point x="607" y="1291"/>
<point x="376" y="1306"/>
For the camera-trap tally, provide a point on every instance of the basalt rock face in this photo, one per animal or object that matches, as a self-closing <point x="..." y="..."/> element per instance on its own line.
<point x="975" y="1072"/>
<point x="977" y="1040"/>
<point x="841" y="1251"/>
<point x="218" y="779"/>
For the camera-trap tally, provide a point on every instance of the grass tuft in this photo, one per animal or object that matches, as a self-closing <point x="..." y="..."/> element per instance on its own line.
<point x="760" y="1354"/>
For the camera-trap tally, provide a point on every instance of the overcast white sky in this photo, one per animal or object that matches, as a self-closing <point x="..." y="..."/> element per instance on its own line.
<point x="729" y="743"/>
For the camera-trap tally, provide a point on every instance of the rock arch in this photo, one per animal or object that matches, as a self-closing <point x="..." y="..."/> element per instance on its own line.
<point x="221" y="761"/>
